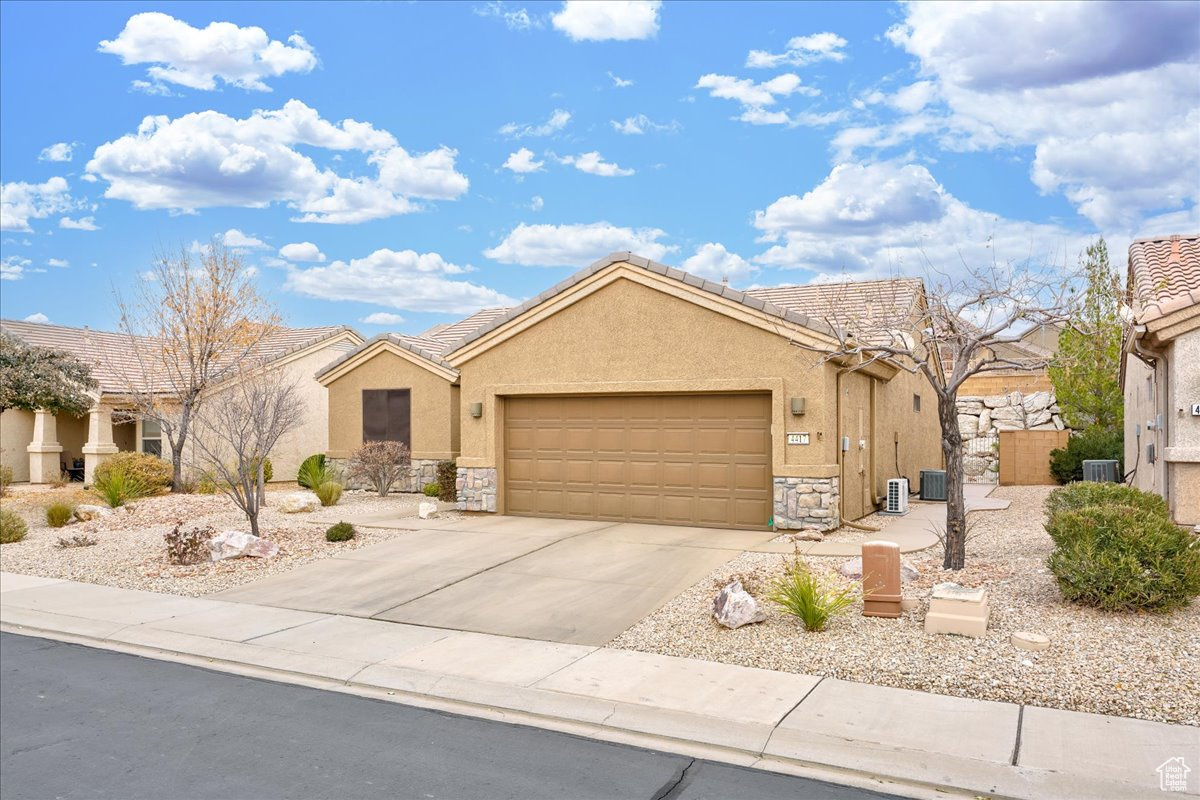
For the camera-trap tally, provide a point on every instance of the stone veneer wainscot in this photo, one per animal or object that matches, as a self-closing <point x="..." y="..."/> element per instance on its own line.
<point x="477" y="488"/>
<point x="806" y="504"/>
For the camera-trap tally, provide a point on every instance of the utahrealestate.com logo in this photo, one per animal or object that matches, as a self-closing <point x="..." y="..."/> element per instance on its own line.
<point x="1173" y="775"/>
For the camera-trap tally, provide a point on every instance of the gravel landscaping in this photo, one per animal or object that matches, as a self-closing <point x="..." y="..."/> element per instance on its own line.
<point x="130" y="552"/>
<point x="1133" y="665"/>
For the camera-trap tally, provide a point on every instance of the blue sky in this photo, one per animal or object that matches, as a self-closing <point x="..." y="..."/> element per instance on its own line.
<point x="393" y="165"/>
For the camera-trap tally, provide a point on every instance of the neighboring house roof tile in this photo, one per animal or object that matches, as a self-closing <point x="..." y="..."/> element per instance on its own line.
<point x="110" y="356"/>
<point x="842" y="303"/>
<point x="1164" y="275"/>
<point x="445" y="336"/>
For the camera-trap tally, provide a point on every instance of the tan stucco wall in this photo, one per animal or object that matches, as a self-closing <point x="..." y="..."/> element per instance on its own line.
<point x="1142" y="403"/>
<point x="434" y="406"/>
<point x="919" y="433"/>
<point x="16" y="432"/>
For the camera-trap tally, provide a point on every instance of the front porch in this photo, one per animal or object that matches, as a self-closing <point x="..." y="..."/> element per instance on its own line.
<point x="42" y="447"/>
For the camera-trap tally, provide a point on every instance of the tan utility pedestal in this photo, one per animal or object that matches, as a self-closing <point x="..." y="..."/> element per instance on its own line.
<point x="881" y="579"/>
<point x="956" y="609"/>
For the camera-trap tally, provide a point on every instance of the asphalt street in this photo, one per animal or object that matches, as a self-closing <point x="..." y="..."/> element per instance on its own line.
<point x="77" y="722"/>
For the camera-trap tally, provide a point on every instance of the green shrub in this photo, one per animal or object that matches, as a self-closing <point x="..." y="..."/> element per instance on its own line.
<point x="207" y="484"/>
<point x="149" y="471"/>
<point x="329" y="493"/>
<point x="1066" y="464"/>
<point x="342" y="532"/>
<point x="312" y="472"/>
<point x="447" y="475"/>
<point x="802" y="594"/>
<point x="59" y="514"/>
<point x="268" y="470"/>
<point x="117" y="487"/>
<point x="1089" y="493"/>
<point x="5" y="478"/>
<point x="1119" y="558"/>
<point x="432" y="489"/>
<point x="12" y="527"/>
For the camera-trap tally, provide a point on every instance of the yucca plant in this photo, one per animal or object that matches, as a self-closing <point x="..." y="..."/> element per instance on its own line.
<point x="118" y="487"/>
<point x="803" y="595"/>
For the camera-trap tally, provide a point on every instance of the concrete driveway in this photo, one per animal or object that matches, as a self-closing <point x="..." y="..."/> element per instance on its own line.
<point x="567" y="581"/>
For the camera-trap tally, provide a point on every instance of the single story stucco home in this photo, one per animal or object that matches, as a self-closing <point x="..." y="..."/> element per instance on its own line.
<point x="633" y="391"/>
<point x="41" y="446"/>
<point x="1160" y="372"/>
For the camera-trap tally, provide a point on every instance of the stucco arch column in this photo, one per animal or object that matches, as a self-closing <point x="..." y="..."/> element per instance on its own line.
<point x="45" y="453"/>
<point x="100" y="441"/>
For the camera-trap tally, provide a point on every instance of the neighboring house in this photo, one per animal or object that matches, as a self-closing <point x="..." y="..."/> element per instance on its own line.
<point x="636" y="392"/>
<point x="39" y="446"/>
<point x="1160" y="372"/>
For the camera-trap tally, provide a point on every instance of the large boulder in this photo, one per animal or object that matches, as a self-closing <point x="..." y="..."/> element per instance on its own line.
<point x="235" y="544"/>
<point x="735" y="607"/>
<point x="853" y="569"/>
<point x="968" y="425"/>
<point x="970" y="405"/>
<point x="996" y="401"/>
<point x="427" y="510"/>
<point x="985" y="421"/>
<point x="86" y="513"/>
<point x="1037" y="401"/>
<point x="1036" y="418"/>
<point x="298" y="502"/>
<point x="974" y="466"/>
<point x="1008" y="414"/>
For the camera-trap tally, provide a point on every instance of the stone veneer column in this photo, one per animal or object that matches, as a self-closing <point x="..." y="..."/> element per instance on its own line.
<point x="45" y="453"/>
<point x="477" y="488"/>
<point x="807" y="504"/>
<point x="100" y="441"/>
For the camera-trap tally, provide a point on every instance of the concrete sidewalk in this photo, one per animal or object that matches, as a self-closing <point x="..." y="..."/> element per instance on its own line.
<point x="889" y="739"/>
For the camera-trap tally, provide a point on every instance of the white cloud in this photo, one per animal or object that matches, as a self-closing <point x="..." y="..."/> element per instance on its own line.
<point x="60" y="151"/>
<point x="150" y="88"/>
<point x="604" y="20"/>
<point x="81" y="224"/>
<point x="883" y="219"/>
<point x="382" y="317"/>
<point x="13" y="268"/>
<point x="536" y="203"/>
<point x="575" y="245"/>
<point x="619" y="82"/>
<point x="403" y="279"/>
<point x="594" y="164"/>
<point x="1114" y="121"/>
<point x="36" y="317"/>
<point x="749" y="93"/>
<point x="301" y="251"/>
<point x="21" y="202"/>
<point x="713" y="261"/>
<point x="556" y="122"/>
<point x="522" y="162"/>
<point x="516" y="19"/>
<point x="196" y="58"/>
<point x="801" y="50"/>
<point x="61" y="263"/>
<point x="235" y="238"/>
<point x="208" y="159"/>
<point x="640" y="123"/>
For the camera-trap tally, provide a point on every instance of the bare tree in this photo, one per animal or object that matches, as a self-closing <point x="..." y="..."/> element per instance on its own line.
<point x="960" y="327"/>
<point x="380" y="464"/>
<point x="193" y="321"/>
<point x="237" y="428"/>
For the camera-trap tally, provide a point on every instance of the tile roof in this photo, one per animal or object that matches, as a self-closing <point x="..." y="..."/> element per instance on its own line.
<point x="110" y="356"/>
<point x="447" y="335"/>
<point x="1164" y="275"/>
<point x="845" y="302"/>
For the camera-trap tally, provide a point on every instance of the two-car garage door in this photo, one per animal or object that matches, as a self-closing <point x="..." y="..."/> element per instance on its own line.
<point x="678" y="459"/>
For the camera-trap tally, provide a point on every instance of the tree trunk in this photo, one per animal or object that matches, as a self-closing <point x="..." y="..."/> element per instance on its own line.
<point x="261" y="485"/>
<point x="955" y="542"/>
<point x="177" y="451"/>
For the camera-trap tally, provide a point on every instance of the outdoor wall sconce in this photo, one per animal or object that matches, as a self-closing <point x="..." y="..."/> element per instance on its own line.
<point x="798" y="406"/>
<point x="475" y="409"/>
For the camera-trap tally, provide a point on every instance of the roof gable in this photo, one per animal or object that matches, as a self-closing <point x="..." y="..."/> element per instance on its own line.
<point x="410" y="348"/>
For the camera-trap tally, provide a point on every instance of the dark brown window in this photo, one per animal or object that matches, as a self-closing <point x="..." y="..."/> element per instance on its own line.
<point x="387" y="415"/>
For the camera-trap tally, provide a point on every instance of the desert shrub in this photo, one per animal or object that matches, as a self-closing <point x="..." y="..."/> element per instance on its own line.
<point x="12" y="527"/>
<point x="804" y="595"/>
<point x="59" y="514"/>
<point x="6" y="474"/>
<point x="188" y="546"/>
<point x="1119" y="558"/>
<point x="432" y="489"/>
<point x="380" y="464"/>
<point x="1089" y="493"/>
<point x="117" y="487"/>
<point x="149" y="471"/>
<point x="341" y="532"/>
<point x="78" y="540"/>
<point x="61" y="480"/>
<point x="206" y="483"/>
<point x="1066" y="463"/>
<point x="329" y="493"/>
<point x="447" y="475"/>
<point x="312" y="472"/>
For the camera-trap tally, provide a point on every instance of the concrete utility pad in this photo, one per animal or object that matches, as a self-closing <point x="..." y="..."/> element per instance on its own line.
<point x="571" y="581"/>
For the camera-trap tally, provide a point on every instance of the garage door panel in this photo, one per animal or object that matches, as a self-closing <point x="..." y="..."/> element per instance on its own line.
<point x="680" y="459"/>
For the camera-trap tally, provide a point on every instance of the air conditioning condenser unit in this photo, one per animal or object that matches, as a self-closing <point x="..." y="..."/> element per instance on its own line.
<point x="933" y="484"/>
<point x="897" y="496"/>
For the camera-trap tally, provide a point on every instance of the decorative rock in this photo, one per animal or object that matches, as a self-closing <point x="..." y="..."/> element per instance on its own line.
<point x="1023" y="640"/>
<point x="852" y="569"/>
<point x="968" y="425"/>
<point x="86" y="513"/>
<point x="235" y="544"/>
<point x="908" y="603"/>
<point x="735" y="607"/>
<point x="1038" y="401"/>
<point x="427" y="510"/>
<point x="908" y="573"/>
<point x="955" y="609"/>
<point x="1035" y="418"/>
<point x="996" y="401"/>
<point x="974" y="465"/>
<point x="985" y="421"/>
<point x="1058" y="422"/>
<point x="298" y="502"/>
